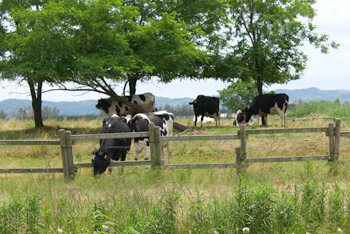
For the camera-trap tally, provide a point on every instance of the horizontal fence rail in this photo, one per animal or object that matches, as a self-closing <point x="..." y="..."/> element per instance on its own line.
<point x="110" y="136"/>
<point x="287" y="159"/>
<point x="199" y="138"/>
<point x="200" y="166"/>
<point x="119" y="163"/>
<point x="29" y="142"/>
<point x="67" y="140"/>
<point x="32" y="170"/>
<point x="286" y="130"/>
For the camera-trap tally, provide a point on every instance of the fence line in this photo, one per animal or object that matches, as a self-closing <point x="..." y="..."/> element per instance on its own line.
<point x="67" y="140"/>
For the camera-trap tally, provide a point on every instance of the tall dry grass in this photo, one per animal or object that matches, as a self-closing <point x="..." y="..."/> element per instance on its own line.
<point x="294" y="197"/>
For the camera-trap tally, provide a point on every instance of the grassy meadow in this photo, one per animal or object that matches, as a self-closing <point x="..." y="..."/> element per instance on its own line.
<point x="293" y="197"/>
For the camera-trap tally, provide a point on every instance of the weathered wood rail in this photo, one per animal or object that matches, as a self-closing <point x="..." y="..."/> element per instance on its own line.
<point x="67" y="140"/>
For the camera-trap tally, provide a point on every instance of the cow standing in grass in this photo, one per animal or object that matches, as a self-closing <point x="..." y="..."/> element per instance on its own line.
<point x="111" y="148"/>
<point x="263" y="105"/>
<point x="140" y="122"/>
<point x="206" y="106"/>
<point x="110" y="106"/>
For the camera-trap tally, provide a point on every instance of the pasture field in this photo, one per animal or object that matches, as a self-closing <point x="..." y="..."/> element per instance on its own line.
<point x="293" y="197"/>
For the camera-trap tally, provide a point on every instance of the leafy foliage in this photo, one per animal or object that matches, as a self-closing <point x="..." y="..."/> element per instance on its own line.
<point x="237" y="95"/>
<point x="268" y="36"/>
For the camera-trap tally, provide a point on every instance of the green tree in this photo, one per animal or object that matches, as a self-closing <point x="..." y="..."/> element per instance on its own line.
<point x="268" y="36"/>
<point x="49" y="112"/>
<point x="34" y="49"/>
<point x="3" y="114"/>
<point x="237" y="95"/>
<point x="122" y="42"/>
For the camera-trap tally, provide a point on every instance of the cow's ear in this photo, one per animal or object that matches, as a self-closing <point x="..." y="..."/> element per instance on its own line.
<point x="94" y="152"/>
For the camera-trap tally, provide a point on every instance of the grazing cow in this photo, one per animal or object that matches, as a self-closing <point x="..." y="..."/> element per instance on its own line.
<point x="111" y="148"/>
<point x="250" y="122"/>
<point x="206" y="106"/>
<point x="110" y="106"/>
<point x="140" y="122"/>
<point x="263" y="105"/>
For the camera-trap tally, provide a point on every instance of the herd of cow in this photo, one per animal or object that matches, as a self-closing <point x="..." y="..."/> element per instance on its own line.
<point x="123" y="118"/>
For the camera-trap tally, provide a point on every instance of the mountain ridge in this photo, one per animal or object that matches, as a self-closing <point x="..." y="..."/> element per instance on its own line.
<point x="88" y="106"/>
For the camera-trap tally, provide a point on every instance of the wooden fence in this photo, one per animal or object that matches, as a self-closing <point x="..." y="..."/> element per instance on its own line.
<point x="67" y="140"/>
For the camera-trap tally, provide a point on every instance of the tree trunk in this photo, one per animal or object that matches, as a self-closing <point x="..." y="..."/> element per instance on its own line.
<point x="259" y="84"/>
<point x="132" y="85"/>
<point x="36" y="102"/>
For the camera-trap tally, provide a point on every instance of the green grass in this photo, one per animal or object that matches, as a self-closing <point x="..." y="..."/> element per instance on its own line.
<point x="295" y="197"/>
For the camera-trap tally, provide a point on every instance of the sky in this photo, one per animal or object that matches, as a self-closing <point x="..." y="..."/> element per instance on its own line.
<point x="324" y="71"/>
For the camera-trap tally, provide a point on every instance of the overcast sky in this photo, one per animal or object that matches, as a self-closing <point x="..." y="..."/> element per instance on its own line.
<point x="324" y="71"/>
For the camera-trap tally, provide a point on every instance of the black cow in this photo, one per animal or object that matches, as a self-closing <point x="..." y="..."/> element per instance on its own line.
<point x="140" y="122"/>
<point x="110" y="106"/>
<point x="263" y="105"/>
<point x="206" y="106"/>
<point x="111" y="148"/>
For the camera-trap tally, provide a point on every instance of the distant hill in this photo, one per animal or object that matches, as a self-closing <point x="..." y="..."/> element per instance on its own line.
<point x="315" y="94"/>
<point x="88" y="106"/>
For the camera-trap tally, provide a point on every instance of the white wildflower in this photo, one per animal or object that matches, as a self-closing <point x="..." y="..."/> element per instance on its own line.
<point x="308" y="232"/>
<point x="104" y="226"/>
<point x="339" y="230"/>
<point x="59" y="230"/>
<point x="246" y="229"/>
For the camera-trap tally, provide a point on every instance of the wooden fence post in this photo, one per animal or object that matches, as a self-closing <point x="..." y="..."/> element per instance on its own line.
<point x="158" y="146"/>
<point x="243" y="136"/>
<point x="331" y="141"/>
<point x="69" y="150"/>
<point x="337" y="139"/>
<point x="156" y="150"/>
<point x="63" y="144"/>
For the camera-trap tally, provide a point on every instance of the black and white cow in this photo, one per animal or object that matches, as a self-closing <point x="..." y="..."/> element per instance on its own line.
<point x="206" y="106"/>
<point x="110" y="106"/>
<point x="140" y="122"/>
<point x="263" y="105"/>
<point x="250" y="122"/>
<point x="111" y="148"/>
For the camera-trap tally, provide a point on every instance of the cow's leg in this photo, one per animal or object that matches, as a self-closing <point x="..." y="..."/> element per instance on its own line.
<point x="123" y="157"/>
<point x="138" y="146"/>
<point x="202" y="118"/>
<point x="147" y="151"/>
<point x="195" y="120"/>
<point x="265" y="120"/>
<point x="111" y="171"/>
<point x="258" y="120"/>
<point x="282" y="115"/>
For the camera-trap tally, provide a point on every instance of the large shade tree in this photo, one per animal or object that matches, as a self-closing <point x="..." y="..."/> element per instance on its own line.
<point x="31" y="55"/>
<point x="126" y="42"/>
<point x="102" y="43"/>
<point x="267" y="38"/>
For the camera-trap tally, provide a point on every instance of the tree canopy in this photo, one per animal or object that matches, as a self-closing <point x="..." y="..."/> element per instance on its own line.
<point x="266" y="41"/>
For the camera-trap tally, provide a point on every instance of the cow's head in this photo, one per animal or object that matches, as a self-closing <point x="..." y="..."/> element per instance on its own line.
<point x="241" y="117"/>
<point x="196" y="106"/>
<point x="132" y="122"/>
<point x="100" y="162"/>
<point x="104" y="104"/>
